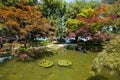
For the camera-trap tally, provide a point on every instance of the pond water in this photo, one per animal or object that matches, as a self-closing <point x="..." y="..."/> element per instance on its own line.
<point x="80" y="69"/>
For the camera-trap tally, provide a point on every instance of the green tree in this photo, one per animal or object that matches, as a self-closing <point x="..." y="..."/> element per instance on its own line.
<point x="51" y="7"/>
<point x="109" y="1"/>
<point x="55" y="10"/>
<point x="57" y="22"/>
<point x="114" y="11"/>
<point x="76" y="6"/>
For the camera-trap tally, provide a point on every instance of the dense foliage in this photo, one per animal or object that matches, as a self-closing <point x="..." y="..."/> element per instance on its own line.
<point x="106" y="61"/>
<point x="13" y="2"/>
<point x="26" y="25"/>
<point x="75" y="7"/>
<point x="89" y="22"/>
<point x="55" y="11"/>
<point x="110" y="58"/>
<point x="113" y="46"/>
<point x="93" y="21"/>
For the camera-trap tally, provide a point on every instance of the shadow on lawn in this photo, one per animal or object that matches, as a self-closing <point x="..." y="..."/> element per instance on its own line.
<point x="97" y="77"/>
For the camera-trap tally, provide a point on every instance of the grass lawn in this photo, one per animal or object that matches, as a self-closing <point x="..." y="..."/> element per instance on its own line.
<point x="80" y="69"/>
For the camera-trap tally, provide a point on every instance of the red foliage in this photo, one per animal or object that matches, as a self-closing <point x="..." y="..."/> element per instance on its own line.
<point x="101" y="36"/>
<point x="71" y="34"/>
<point x="101" y="10"/>
<point x="86" y="30"/>
<point x="83" y="31"/>
<point x="113" y="16"/>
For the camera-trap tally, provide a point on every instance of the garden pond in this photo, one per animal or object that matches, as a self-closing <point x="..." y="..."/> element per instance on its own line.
<point x="80" y="68"/>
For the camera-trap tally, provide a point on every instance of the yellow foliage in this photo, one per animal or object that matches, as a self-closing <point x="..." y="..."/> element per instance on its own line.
<point x="44" y="20"/>
<point x="11" y="23"/>
<point x="24" y="19"/>
<point x="23" y="31"/>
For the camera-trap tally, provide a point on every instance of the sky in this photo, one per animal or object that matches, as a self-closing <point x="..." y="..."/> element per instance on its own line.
<point x="69" y="0"/>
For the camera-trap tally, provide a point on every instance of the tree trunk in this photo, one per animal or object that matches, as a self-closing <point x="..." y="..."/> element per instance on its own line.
<point x="76" y="39"/>
<point x="25" y="43"/>
<point x="32" y="36"/>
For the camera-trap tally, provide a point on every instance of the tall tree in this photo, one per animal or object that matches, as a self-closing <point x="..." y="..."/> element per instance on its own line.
<point x="54" y="10"/>
<point x="51" y="7"/>
<point x="109" y="1"/>
<point x="114" y="11"/>
<point x="24" y="20"/>
<point x="76" y="6"/>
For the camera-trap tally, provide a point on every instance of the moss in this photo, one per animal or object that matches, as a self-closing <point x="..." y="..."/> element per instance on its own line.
<point x="64" y="63"/>
<point x="46" y="63"/>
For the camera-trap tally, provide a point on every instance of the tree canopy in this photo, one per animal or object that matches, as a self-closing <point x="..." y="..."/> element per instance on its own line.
<point x="23" y="20"/>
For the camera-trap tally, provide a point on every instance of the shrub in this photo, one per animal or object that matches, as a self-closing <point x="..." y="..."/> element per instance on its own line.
<point x="70" y="47"/>
<point x="113" y="45"/>
<point x="34" y="52"/>
<point x="23" y="50"/>
<point x="40" y="43"/>
<point x="44" y="43"/>
<point x="110" y="58"/>
<point x="40" y="52"/>
<point x="106" y="61"/>
<point x="7" y="46"/>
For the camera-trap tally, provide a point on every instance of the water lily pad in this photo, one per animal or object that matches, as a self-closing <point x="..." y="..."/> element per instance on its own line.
<point x="46" y="63"/>
<point x="64" y="63"/>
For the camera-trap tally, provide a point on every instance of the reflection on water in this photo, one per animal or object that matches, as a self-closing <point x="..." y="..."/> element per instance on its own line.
<point x="4" y="58"/>
<point x="97" y="77"/>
